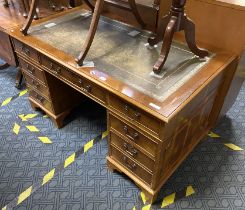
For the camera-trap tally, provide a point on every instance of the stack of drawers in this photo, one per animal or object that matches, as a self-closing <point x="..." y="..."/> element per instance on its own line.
<point x="34" y="75"/>
<point x="134" y="140"/>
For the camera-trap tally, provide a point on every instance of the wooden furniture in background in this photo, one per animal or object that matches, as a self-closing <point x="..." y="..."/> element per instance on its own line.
<point x="175" y="21"/>
<point x="148" y="138"/>
<point x="11" y="18"/>
<point x="224" y="20"/>
<point x="97" y="10"/>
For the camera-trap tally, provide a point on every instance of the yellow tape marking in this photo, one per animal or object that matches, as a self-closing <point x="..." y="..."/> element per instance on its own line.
<point x="213" y="135"/>
<point x="45" y="140"/>
<point x="233" y="147"/>
<point x="147" y="207"/>
<point x="22" y="117"/>
<point x="23" y="92"/>
<point x="168" y="200"/>
<point x="189" y="191"/>
<point x="48" y="176"/>
<point x="32" y="128"/>
<point x="45" y="116"/>
<point x="16" y="128"/>
<point x="134" y="208"/>
<point x="5" y="102"/>
<point x="4" y="208"/>
<point x="142" y="195"/>
<point x="105" y="134"/>
<point x="24" y="195"/>
<point x="69" y="160"/>
<point x="88" y="145"/>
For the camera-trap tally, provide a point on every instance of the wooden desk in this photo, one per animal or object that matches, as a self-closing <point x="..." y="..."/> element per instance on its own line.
<point x="150" y="132"/>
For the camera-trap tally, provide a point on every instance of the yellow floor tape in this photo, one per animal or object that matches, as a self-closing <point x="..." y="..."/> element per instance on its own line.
<point x="26" y="193"/>
<point x="8" y="100"/>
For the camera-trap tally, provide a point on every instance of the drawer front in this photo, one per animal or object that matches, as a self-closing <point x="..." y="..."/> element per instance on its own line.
<point x="25" y="50"/>
<point x="135" y="114"/>
<point x="35" y="84"/>
<point x="145" y="143"/>
<point x="132" y="151"/>
<point x="130" y="165"/>
<point x="87" y="87"/>
<point x="32" y="70"/>
<point x="41" y="100"/>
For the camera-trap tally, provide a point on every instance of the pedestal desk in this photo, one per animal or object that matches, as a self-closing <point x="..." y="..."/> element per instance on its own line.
<point x="154" y="121"/>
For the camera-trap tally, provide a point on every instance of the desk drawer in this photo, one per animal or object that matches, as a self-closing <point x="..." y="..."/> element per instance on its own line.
<point x="130" y="165"/>
<point x="32" y="70"/>
<point x="43" y="102"/>
<point x="138" y="138"/>
<point x="86" y="86"/>
<point x="25" y="50"/>
<point x="135" y="114"/>
<point x="35" y="84"/>
<point x="132" y="151"/>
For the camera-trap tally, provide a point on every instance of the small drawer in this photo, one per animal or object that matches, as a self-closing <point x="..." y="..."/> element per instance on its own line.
<point x="32" y="70"/>
<point x="132" y="166"/>
<point x="132" y="151"/>
<point x="25" y="50"/>
<point x="35" y="84"/>
<point x="135" y="114"/>
<point x="86" y="86"/>
<point x="41" y="100"/>
<point x="138" y="138"/>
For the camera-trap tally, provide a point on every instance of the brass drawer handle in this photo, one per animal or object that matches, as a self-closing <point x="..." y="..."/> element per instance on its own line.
<point x="130" y="149"/>
<point x="80" y="81"/>
<point x="25" y="50"/>
<point x="137" y="115"/>
<point x="133" y="136"/>
<point x="131" y="167"/>
<point x="88" y="88"/>
<point x="39" y="98"/>
<point x="36" y="84"/>
<point x="30" y="69"/>
<point x="57" y="70"/>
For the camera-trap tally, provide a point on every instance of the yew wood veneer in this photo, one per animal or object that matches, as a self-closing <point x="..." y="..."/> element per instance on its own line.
<point x="148" y="138"/>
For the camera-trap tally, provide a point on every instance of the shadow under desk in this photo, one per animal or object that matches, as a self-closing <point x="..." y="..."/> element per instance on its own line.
<point x="154" y="121"/>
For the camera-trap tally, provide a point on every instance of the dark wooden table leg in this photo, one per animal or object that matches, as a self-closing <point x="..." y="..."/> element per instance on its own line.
<point x="91" y="6"/>
<point x="18" y="79"/>
<point x="177" y="21"/>
<point x="30" y="17"/>
<point x="4" y="66"/>
<point x="91" y="33"/>
<point x="136" y="12"/>
<point x="5" y="3"/>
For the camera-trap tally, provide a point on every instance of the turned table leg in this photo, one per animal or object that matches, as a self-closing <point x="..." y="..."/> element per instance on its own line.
<point x="30" y="17"/>
<point x="136" y="12"/>
<point x="92" y="30"/>
<point x="18" y="79"/>
<point x="177" y="20"/>
<point x="5" y="3"/>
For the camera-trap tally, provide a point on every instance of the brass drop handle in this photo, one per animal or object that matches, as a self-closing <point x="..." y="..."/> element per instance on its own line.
<point x="131" y="167"/>
<point x="130" y="150"/>
<point x="39" y="98"/>
<point x="126" y="108"/>
<point x="134" y="136"/>
<point x="80" y="81"/>
<point x="58" y="70"/>
<point x="29" y="68"/>
<point x="88" y="88"/>
<point x="137" y="115"/>
<point x="25" y="50"/>
<point x="35" y="83"/>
